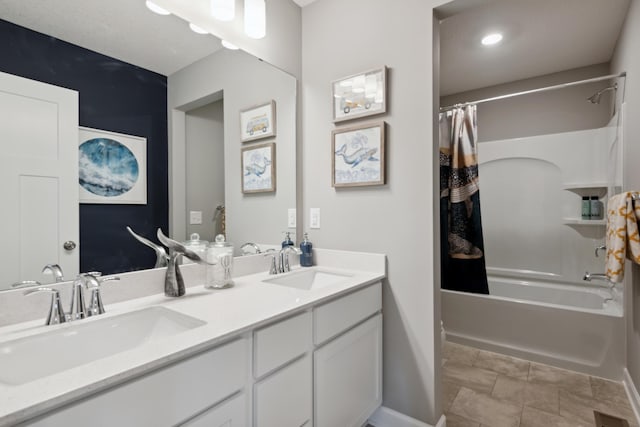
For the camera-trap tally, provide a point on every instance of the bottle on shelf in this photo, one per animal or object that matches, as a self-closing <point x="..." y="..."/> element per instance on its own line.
<point x="586" y="207"/>
<point x="596" y="208"/>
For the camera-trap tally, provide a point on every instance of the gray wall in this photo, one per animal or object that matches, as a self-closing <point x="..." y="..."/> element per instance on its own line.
<point x="205" y="166"/>
<point x="626" y="58"/>
<point x="243" y="81"/>
<point x="340" y="38"/>
<point x="542" y="113"/>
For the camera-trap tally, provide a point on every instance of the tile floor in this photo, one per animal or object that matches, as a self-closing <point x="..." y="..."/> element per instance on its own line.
<point x="483" y="389"/>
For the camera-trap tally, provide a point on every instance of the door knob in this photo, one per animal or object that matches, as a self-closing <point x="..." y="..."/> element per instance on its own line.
<point x="69" y="245"/>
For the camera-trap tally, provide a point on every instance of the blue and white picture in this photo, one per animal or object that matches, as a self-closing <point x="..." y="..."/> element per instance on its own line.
<point x="112" y="168"/>
<point x="258" y="168"/>
<point x="358" y="156"/>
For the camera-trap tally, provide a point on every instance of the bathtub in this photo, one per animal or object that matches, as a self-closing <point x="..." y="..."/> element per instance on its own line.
<point x="568" y="326"/>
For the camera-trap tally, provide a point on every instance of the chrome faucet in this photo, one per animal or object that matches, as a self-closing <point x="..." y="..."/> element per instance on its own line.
<point x="252" y="245"/>
<point x="597" y="276"/>
<point x="56" y="271"/>
<point x="56" y="313"/>
<point x="281" y="263"/>
<point x="78" y="308"/>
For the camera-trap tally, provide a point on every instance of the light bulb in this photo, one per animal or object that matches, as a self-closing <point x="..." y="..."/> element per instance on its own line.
<point x="223" y="10"/>
<point x="255" y="19"/>
<point x="491" y="39"/>
<point x="157" y="9"/>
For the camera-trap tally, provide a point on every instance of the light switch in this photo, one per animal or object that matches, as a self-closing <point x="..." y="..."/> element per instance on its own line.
<point x="314" y="218"/>
<point x="291" y="218"/>
<point x="195" y="217"/>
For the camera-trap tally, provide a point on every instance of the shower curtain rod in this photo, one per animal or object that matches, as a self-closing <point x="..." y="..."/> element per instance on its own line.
<point x="542" y="89"/>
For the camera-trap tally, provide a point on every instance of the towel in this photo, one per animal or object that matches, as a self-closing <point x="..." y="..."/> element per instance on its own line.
<point x="623" y="240"/>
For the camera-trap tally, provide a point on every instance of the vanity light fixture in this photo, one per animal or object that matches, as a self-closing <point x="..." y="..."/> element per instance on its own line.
<point x="491" y="39"/>
<point x="157" y="9"/>
<point x="255" y="18"/>
<point x="197" y="29"/>
<point x="223" y="10"/>
<point x="229" y="45"/>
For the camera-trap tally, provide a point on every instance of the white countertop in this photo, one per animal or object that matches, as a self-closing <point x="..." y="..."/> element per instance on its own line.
<point x="227" y="313"/>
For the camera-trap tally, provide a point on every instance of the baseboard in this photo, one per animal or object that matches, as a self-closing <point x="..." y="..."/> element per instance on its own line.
<point x="386" y="417"/>
<point x="632" y="394"/>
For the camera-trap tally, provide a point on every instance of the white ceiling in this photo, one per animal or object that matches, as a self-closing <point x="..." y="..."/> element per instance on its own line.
<point x="540" y="37"/>
<point x="122" y="29"/>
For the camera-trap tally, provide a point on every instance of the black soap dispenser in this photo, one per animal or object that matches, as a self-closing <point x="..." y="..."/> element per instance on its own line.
<point x="287" y="240"/>
<point x="306" y="257"/>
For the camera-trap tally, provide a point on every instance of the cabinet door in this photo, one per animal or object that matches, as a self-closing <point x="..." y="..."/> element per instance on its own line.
<point x="232" y="413"/>
<point x="284" y="398"/>
<point x="348" y="376"/>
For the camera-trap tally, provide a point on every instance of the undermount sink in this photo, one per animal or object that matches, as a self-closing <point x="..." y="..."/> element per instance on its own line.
<point x="308" y="279"/>
<point x="78" y="343"/>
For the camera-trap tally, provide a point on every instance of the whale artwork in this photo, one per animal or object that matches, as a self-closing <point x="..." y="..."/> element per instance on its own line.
<point x="359" y="160"/>
<point x="258" y="169"/>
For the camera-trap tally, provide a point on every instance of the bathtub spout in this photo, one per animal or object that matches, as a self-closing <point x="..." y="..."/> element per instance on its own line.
<point x="596" y="276"/>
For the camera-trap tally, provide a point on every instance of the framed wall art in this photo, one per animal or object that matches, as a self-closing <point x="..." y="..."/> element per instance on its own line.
<point x="258" y="122"/>
<point x="259" y="168"/>
<point x="360" y="95"/>
<point x="112" y="167"/>
<point x="358" y="155"/>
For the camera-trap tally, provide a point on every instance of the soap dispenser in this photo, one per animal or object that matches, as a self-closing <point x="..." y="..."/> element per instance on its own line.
<point x="306" y="257"/>
<point x="287" y="239"/>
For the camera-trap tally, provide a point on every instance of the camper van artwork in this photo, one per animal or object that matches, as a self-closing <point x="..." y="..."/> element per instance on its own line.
<point x="359" y="95"/>
<point x="258" y="122"/>
<point x="258" y="168"/>
<point x="358" y="155"/>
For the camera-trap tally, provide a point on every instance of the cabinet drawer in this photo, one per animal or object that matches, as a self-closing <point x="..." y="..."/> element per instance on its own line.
<point x="285" y="398"/>
<point x="232" y="413"/>
<point x="278" y="344"/>
<point x="336" y="316"/>
<point x="164" y="397"/>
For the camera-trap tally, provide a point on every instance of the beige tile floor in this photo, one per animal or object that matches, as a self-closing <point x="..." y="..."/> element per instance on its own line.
<point x="483" y="389"/>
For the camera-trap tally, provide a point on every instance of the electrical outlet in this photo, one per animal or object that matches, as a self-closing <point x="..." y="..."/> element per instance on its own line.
<point x="314" y="218"/>
<point x="291" y="218"/>
<point x="195" y="217"/>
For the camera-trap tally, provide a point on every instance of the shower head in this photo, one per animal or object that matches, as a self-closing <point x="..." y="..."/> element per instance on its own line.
<point x="595" y="98"/>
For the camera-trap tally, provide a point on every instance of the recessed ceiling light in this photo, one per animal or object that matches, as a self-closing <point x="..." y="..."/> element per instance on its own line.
<point x="197" y="29"/>
<point x="157" y="9"/>
<point x="491" y="39"/>
<point x="229" y="45"/>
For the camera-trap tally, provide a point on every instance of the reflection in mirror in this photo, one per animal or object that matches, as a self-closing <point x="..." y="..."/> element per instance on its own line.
<point x="134" y="79"/>
<point x="539" y="152"/>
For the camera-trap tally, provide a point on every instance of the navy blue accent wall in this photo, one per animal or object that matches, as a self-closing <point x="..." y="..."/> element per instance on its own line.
<point x="114" y="96"/>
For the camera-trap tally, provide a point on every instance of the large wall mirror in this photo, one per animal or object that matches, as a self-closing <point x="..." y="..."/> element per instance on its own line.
<point x="145" y="75"/>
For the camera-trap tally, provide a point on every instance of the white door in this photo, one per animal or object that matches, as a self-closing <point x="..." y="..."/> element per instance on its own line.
<point x="38" y="179"/>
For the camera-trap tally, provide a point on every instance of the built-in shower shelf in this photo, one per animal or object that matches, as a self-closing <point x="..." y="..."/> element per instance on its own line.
<point x="587" y="188"/>
<point x="586" y="222"/>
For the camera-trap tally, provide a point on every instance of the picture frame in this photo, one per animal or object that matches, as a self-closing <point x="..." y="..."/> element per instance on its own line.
<point x="360" y="95"/>
<point x="258" y="168"/>
<point x="112" y="167"/>
<point x="358" y="155"/>
<point x="258" y="122"/>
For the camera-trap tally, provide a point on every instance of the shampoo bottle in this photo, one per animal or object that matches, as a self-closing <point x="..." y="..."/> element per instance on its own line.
<point x="586" y="208"/>
<point x="306" y="257"/>
<point x="287" y="240"/>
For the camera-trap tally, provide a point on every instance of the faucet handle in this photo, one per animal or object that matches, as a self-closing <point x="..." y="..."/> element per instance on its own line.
<point x="600" y="248"/>
<point x="56" y="313"/>
<point x="96" y="306"/>
<point x="274" y="264"/>
<point x="25" y="284"/>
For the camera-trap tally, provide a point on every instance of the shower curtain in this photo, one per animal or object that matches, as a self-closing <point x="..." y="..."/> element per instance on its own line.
<point x="461" y="243"/>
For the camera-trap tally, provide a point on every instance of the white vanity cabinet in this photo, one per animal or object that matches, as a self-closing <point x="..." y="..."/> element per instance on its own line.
<point x="321" y="367"/>
<point x="347" y="366"/>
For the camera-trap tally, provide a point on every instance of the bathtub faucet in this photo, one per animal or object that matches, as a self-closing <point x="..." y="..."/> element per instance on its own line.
<point x="603" y="277"/>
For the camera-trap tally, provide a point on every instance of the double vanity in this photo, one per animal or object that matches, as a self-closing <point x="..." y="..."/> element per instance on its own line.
<point x="296" y="349"/>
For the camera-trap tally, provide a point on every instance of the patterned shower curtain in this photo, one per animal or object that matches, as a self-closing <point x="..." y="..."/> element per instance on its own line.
<point x="461" y="242"/>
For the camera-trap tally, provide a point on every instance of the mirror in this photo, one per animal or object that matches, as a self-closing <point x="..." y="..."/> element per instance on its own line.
<point x="553" y="146"/>
<point x="121" y="74"/>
